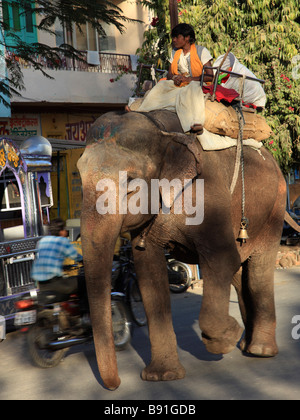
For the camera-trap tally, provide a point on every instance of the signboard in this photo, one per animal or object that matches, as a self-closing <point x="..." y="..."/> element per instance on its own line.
<point x="67" y="126"/>
<point x="26" y="125"/>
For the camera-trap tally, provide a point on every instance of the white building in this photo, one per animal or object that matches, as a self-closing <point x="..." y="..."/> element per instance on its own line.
<point x="64" y="107"/>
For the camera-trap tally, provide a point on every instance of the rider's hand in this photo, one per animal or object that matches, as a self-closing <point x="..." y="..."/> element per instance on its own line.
<point x="178" y="79"/>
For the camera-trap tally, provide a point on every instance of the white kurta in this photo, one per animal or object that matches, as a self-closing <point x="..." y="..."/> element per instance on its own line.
<point x="188" y="102"/>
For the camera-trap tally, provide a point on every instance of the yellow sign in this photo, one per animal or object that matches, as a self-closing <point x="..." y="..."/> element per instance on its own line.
<point x="67" y="126"/>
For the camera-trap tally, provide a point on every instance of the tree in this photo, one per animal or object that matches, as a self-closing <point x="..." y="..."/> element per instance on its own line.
<point x="156" y="46"/>
<point x="266" y="38"/>
<point x="173" y="8"/>
<point x="66" y="12"/>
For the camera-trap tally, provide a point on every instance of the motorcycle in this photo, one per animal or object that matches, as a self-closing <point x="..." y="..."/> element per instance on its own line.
<point x="56" y="323"/>
<point x="124" y="280"/>
<point x="180" y="275"/>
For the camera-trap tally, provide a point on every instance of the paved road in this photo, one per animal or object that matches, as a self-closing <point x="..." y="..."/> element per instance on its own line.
<point x="233" y="376"/>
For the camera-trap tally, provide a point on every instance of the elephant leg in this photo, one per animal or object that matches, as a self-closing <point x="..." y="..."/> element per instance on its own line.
<point x="238" y="282"/>
<point x="98" y="256"/>
<point x="151" y="270"/>
<point x="257" y="292"/>
<point x="220" y="331"/>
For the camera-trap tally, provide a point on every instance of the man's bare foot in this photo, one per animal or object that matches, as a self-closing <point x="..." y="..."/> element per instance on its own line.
<point x="127" y="109"/>
<point x="197" y="128"/>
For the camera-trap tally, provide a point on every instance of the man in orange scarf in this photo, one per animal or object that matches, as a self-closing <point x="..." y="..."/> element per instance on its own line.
<point x="181" y="92"/>
<point x="188" y="60"/>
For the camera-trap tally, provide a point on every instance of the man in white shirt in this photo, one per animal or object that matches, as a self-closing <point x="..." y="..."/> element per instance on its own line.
<point x="185" y="72"/>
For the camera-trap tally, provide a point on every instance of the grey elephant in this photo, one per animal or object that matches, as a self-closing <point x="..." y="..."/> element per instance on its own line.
<point x="124" y="155"/>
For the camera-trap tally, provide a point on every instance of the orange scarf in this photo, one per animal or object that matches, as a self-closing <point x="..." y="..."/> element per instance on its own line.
<point x="196" y="65"/>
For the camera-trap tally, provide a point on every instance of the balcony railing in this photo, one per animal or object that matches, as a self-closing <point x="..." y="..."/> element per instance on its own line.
<point x="99" y="63"/>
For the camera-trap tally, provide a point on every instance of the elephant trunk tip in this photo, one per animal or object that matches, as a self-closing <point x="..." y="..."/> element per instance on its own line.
<point x="112" y="384"/>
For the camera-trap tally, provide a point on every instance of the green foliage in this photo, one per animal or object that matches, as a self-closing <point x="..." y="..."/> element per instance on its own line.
<point x="266" y="38"/>
<point x="156" y="46"/>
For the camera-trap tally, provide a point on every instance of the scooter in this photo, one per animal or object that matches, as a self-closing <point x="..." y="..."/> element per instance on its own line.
<point x="180" y="275"/>
<point x="56" y="323"/>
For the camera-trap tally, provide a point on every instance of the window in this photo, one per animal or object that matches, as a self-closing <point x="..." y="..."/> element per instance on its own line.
<point x="44" y="180"/>
<point x="20" y="21"/>
<point x="59" y="33"/>
<point x="108" y="43"/>
<point x="92" y="38"/>
<point x="5" y="12"/>
<point x="86" y="39"/>
<point x="9" y="192"/>
<point x="29" y="21"/>
<point x="16" y="17"/>
<point x="81" y="38"/>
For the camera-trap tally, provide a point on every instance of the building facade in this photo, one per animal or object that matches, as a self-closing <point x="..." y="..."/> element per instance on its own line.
<point x="64" y="106"/>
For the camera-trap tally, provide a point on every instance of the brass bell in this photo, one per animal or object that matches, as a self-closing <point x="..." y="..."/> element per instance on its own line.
<point x="243" y="235"/>
<point x="141" y="245"/>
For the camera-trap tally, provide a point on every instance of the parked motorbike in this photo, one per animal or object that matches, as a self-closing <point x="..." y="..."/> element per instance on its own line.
<point x="56" y="324"/>
<point x="124" y="280"/>
<point x="180" y="275"/>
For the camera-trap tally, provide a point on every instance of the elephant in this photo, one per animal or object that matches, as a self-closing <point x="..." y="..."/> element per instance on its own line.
<point x="151" y="146"/>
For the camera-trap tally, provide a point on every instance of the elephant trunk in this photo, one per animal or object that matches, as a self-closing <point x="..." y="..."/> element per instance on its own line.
<point x="98" y="242"/>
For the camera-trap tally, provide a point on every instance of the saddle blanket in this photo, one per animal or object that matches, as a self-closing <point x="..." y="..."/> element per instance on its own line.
<point x="211" y="141"/>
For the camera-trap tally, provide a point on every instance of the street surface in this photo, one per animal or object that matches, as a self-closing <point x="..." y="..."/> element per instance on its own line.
<point x="232" y="376"/>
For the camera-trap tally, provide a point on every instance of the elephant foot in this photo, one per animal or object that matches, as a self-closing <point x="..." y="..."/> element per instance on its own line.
<point x="159" y="372"/>
<point x="225" y="344"/>
<point x="260" y="349"/>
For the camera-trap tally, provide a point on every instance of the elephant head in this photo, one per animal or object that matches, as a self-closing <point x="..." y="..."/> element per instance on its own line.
<point x="125" y="154"/>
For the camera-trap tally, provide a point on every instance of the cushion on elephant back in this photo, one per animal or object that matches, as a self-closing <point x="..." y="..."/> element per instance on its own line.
<point x="223" y="120"/>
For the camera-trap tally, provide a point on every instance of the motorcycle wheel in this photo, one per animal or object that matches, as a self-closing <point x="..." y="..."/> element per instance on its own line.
<point x="37" y="337"/>
<point x="121" y="325"/>
<point x="177" y="267"/>
<point x="136" y="303"/>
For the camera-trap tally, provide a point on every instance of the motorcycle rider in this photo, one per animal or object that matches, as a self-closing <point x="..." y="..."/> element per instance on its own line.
<point x="47" y="268"/>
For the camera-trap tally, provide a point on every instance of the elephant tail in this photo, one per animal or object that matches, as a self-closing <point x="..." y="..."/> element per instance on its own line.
<point x="289" y="220"/>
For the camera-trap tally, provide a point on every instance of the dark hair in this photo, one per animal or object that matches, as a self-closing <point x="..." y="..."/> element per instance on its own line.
<point x="185" y="30"/>
<point x="56" y="225"/>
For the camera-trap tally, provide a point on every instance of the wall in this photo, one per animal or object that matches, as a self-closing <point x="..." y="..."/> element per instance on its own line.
<point x="75" y="87"/>
<point x="132" y="38"/>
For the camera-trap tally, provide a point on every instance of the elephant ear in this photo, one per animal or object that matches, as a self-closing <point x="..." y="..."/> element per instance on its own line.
<point x="181" y="161"/>
<point x="182" y="157"/>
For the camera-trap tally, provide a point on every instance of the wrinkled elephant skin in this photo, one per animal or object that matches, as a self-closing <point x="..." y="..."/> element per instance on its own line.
<point x="132" y="145"/>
